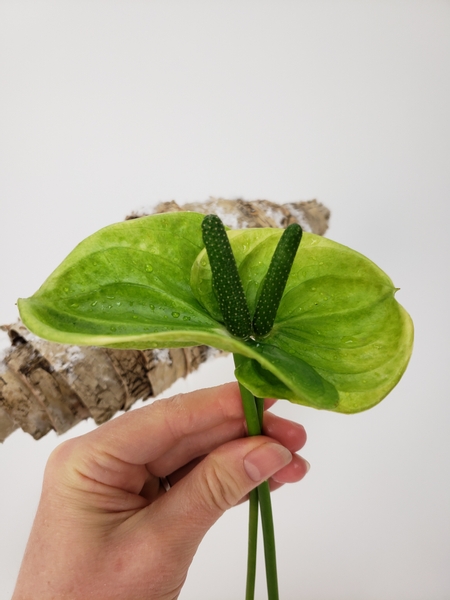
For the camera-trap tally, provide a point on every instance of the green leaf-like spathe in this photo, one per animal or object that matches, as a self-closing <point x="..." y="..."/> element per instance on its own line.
<point x="338" y="317"/>
<point x="126" y="286"/>
<point x="340" y="340"/>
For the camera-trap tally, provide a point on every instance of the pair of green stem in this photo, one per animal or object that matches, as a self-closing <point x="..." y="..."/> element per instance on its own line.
<point x="259" y="501"/>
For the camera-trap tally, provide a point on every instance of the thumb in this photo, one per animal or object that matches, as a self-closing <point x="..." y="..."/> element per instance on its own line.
<point x="219" y="482"/>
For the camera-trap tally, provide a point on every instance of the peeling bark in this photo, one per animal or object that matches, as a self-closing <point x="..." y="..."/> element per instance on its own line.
<point x="239" y="214"/>
<point x="46" y="386"/>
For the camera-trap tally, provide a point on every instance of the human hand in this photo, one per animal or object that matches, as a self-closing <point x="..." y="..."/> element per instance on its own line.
<point x="106" y="529"/>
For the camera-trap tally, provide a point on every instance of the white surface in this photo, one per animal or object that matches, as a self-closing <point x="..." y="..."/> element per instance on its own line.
<point x="106" y="106"/>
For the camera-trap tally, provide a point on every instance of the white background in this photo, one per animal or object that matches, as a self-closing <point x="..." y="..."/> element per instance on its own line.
<point x="107" y="106"/>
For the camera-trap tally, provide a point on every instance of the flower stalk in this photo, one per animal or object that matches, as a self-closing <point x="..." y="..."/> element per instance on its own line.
<point x="259" y="502"/>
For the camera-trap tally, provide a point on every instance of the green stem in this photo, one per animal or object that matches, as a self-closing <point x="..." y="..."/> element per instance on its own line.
<point x="250" y="409"/>
<point x="252" y="544"/>
<point x="253" y="411"/>
<point x="253" y="428"/>
<point x="253" y="523"/>
<point x="269" y="540"/>
<point x="260" y="409"/>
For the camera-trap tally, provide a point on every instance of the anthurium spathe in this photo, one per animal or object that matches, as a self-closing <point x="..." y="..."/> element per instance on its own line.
<point x="340" y="340"/>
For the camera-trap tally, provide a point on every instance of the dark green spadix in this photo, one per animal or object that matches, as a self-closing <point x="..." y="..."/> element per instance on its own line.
<point x="276" y="278"/>
<point x="226" y="281"/>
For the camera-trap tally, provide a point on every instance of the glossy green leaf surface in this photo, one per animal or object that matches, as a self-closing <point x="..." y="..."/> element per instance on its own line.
<point x="127" y="283"/>
<point x="340" y="339"/>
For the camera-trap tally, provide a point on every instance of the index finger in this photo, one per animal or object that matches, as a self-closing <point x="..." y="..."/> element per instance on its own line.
<point x="141" y="436"/>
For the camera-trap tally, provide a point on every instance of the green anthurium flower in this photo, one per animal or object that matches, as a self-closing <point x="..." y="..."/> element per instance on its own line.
<point x="340" y="340"/>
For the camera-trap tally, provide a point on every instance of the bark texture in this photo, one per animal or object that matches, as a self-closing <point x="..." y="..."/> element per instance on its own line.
<point x="239" y="214"/>
<point x="45" y="386"/>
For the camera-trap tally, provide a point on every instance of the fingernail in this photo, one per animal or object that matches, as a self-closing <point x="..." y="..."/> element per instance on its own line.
<point x="307" y="465"/>
<point x="264" y="461"/>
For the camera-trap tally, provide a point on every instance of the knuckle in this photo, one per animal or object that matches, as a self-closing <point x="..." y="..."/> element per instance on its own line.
<point x="59" y="467"/>
<point x="61" y="454"/>
<point x="177" y="418"/>
<point x="221" y="489"/>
